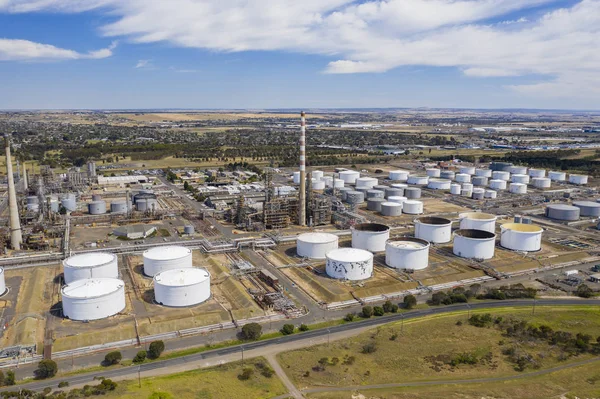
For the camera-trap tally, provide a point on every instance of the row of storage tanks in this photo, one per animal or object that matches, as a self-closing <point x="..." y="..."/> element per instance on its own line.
<point x="388" y="200"/>
<point x="577" y="209"/>
<point x="476" y="239"/>
<point x="94" y="291"/>
<point x="143" y="201"/>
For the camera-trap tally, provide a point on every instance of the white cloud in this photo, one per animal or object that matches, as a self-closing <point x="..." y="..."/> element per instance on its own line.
<point x="143" y="64"/>
<point x="180" y="70"/>
<point x="25" y="50"/>
<point x="561" y="48"/>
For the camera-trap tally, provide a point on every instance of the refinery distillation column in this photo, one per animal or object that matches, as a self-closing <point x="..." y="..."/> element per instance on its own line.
<point x="15" y="225"/>
<point x="302" y="204"/>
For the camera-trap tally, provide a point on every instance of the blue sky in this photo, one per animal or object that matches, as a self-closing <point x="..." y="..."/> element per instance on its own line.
<point x="216" y="54"/>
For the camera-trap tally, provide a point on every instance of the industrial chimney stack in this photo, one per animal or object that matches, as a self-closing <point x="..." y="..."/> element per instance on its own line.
<point x="302" y="204"/>
<point x="15" y="225"/>
<point x="25" y="184"/>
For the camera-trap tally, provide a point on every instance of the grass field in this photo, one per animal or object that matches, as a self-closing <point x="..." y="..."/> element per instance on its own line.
<point x="216" y="382"/>
<point x="422" y="346"/>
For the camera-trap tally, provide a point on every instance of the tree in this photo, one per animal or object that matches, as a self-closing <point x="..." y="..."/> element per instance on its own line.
<point x="410" y="301"/>
<point x="113" y="357"/>
<point x="584" y="291"/>
<point x="387" y="306"/>
<point x="303" y="327"/>
<point x="367" y="312"/>
<point x="186" y="186"/>
<point x="155" y="349"/>
<point x="47" y="368"/>
<point x="140" y="357"/>
<point x="287" y="329"/>
<point x="378" y="311"/>
<point x="349" y="317"/>
<point x="246" y="374"/>
<point x="10" y="377"/>
<point x="251" y="331"/>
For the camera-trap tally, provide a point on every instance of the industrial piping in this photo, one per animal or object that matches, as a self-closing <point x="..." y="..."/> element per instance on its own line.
<point x="15" y="225"/>
<point x="302" y="204"/>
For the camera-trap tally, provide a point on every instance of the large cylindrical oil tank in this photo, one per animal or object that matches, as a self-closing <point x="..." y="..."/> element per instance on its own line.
<point x="96" y="197"/>
<point x="296" y="177"/>
<point x="69" y="202"/>
<point x="93" y="299"/>
<point x="483" y="172"/>
<point x="478" y="221"/>
<point x="462" y="178"/>
<point x="355" y="197"/>
<point x="501" y="166"/>
<point x="391" y="208"/>
<point x="501" y="175"/>
<point x="328" y="180"/>
<point x="118" y="207"/>
<point x="537" y="172"/>
<point x="90" y="265"/>
<point x="439" y="184"/>
<point x="349" y="264"/>
<point x="399" y="175"/>
<point x="498" y="184"/>
<point x="433" y="172"/>
<point x="478" y="193"/>
<point x="491" y="194"/>
<point x="480" y="181"/>
<point x="412" y="193"/>
<point x="407" y="253"/>
<point x="447" y="174"/>
<point x="521" y="237"/>
<point x="366" y="182"/>
<point x="403" y="186"/>
<point x="375" y="194"/>
<point x="523" y="179"/>
<point x="467" y="186"/>
<point x="563" y="212"/>
<point x="518" y="170"/>
<point x="578" y="179"/>
<point x="170" y="257"/>
<point x="433" y="229"/>
<point x="374" y="204"/>
<point x="455" y="189"/>
<point x="97" y="208"/>
<point x="370" y="236"/>
<point x="349" y="176"/>
<point x="397" y="199"/>
<point x="188" y="229"/>
<point x="518" y="188"/>
<point x="2" y="282"/>
<point x="182" y="287"/>
<point x="343" y="191"/>
<point x="317" y="174"/>
<point x="467" y="170"/>
<point x="315" y="245"/>
<point x="337" y="183"/>
<point x="588" y="208"/>
<point x="412" y="207"/>
<point x="557" y="176"/>
<point x="541" y="182"/>
<point x="394" y="192"/>
<point x="418" y="180"/>
<point x="380" y="187"/>
<point x="474" y="244"/>
<point x="318" y="184"/>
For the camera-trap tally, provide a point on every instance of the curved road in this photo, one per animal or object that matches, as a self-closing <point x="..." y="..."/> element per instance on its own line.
<point x="308" y="336"/>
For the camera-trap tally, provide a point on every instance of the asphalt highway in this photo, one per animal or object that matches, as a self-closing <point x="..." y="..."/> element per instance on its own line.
<point x="118" y="373"/>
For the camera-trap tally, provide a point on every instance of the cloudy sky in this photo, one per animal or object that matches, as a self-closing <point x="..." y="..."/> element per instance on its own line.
<point x="292" y="53"/>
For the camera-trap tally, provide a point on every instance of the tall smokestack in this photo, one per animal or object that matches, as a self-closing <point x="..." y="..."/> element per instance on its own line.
<point x="302" y="204"/>
<point x="25" y="184"/>
<point x="15" y="225"/>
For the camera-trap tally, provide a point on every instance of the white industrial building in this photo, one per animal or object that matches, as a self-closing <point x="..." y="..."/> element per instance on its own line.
<point x="349" y="264"/>
<point x="160" y="259"/>
<point x="316" y="245"/>
<point x="90" y="265"/>
<point x="182" y="287"/>
<point x="121" y="180"/>
<point x="134" y="231"/>
<point x="93" y="299"/>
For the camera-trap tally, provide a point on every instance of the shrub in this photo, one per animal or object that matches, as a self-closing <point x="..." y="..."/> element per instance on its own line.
<point x="265" y="369"/>
<point x="140" y="357"/>
<point x="378" y="311"/>
<point x="63" y="384"/>
<point x="160" y="395"/>
<point x="349" y="317"/>
<point x="47" y="368"/>
<point x="370" y="347"/>
<point x="394" y="336"/>
<point x="155" y="349"/>
<point x="107" y="385"/>
<point x="246" y="374"/>
<point x="348" y="360"/>
<point x="10" y="378"/>
<point x="303" y="327"/>
<point x="287" y="329"/>
<point x="113" y="357"/>
<point x="367" y="312"/>
<point x="584" y="291"/>
<point x="2" y="382"/>
<point x="410" y="301"/>
<point x="251" y="331"/>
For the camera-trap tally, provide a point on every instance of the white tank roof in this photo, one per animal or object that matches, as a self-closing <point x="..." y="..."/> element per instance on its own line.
<point x="167" y="252"/>
<point x="317" y="238"/>
<point x="405" y="244"/>
<point x="89" y="259"/>
<point x="182" y="277"/>
<point x="349" y="255"/>
<point x="92" y="288"/>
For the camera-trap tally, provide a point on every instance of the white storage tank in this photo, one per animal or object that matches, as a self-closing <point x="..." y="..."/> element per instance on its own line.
<point x="90" y="265"/>
<point x="69" y="202"/>
<point x="118" y="207"/>
<point x="407" y="253"/>
<point x="474" y="244"/>
<point x="391" y="208"/>
<point x="433" y="172"/>
<point x="491" y="194"/>
<point x="478" y="193"/>
<point x="537" y="172"/>
<point x="366" y="182"/>
<point x="521" y="237"/>
<point x="296" y="177"/>
<point x="2" y="282"/>
<point x="398" y="199"/>
<point x="97" y="208"/>
<point x="169" y="257"/>
<point x="557" y="176"/>
<point x="394" y="192"/>
<point x="318" y="184"/>
<point x="455" y="189"/>
<point x="467" y="170"/>
<point x="412" y="193"/>
<point x="578" y="179"/>
<point x="328" y="180"/>
<point x="403" y="186"/>
<point x="349" y="176"/>
<point x="462" y="178"/>
<point x="370" y="236"/>
<point x="433" y="229"/>
<point x="524" y="179"/>
<point x="439" y="184"/>
<point x="374" y="204"/>
<point x="418" y="180"/>
<point x="483" y="172"/>
<point x="447" y="174"/>
<point x="338" y="183"/>
<point x="188" y="229"/>
<point x="317" y="174"/>
<point x="501" y="175"/>
<point x="355" y="197"/>
<point x="480" y="181"/>
<point x="466" y="192"/>
<point x="375" y="194"/>
<point x="182" y="287"/>
<point x="349" y="264"/>
<point x="562" y="212"/>
<point x="588" y="208"/>
<point x="343" y="191"/>
<point x="93" y="299"/>
<point x="315" y="245"/>
<point x="399" y="175"/>
<point x="541" y="182"/>
<point x="478" y="221"/>
<point x="518" y="188"/>
<point x="498" y="184"/>
<point x="412" y="207"/>
<point x="518" y="170"/>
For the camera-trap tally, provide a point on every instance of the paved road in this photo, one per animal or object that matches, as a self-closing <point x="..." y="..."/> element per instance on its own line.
<point x="306" y="339"/>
